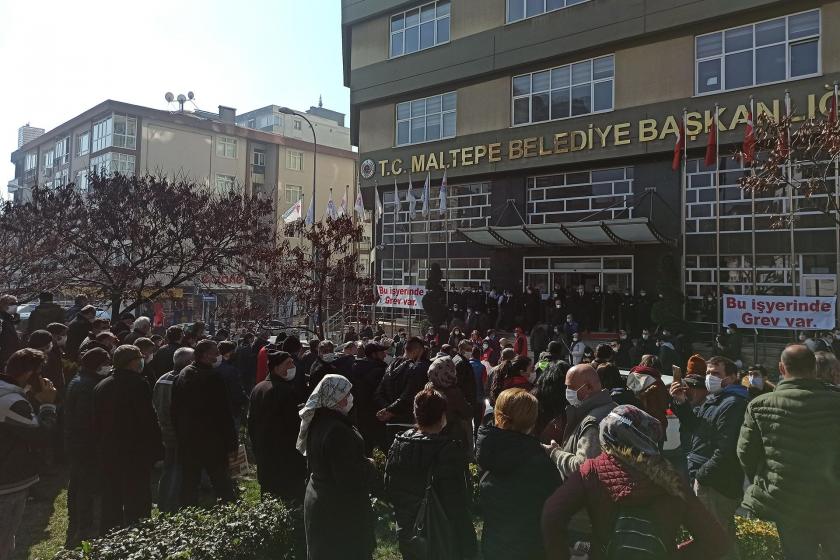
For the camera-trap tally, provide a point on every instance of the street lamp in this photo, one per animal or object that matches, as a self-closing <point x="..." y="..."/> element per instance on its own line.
<point x="287" y="111"/>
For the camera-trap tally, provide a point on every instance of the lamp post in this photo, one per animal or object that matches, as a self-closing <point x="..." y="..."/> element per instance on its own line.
<point x="286" y="111"/>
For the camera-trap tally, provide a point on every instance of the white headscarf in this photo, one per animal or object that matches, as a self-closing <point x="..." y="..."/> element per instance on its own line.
<point x="327" y="394"/>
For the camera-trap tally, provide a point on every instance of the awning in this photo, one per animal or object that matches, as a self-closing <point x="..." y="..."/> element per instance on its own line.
<point x="630" y="231"/>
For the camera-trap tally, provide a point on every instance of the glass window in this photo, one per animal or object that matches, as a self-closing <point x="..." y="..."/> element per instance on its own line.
<point x="420" y="28"/>
<point x="294" y="160"/>
<point x="427" y="119"/>
<point x="31" y="161"/>
<point x="82" y="180"/>
<point x="49" y="159"/>
<point x="226" y="147"/>
<point x="82" y="143"/>
<point x="62" y="151"/>
<point x="102" y="134"/>
<point x="293" y="193"/>
<point x="125" y="132"/>
<point x="113" y="162"/>
<point x="258" y="157"/>
<point x="574" y="89"/>
<point x="225" y="182"/>
<point x="766" y="52"/>
<point x="577" y="195"/>
<point x="521" y="9"/>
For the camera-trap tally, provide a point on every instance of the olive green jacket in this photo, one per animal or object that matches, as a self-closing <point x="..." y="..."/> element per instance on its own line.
<point x="790" y="450"/>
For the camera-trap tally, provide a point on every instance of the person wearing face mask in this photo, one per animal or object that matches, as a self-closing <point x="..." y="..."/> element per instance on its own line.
<point x="756" y="381"/>
<point x="612" y="302"/>
<point x="22" y="432"/>
<point x="80" y="446"/>
<point x="570" y="327"/>
<point x="9" y="338"/>
<point x="644" y="305"/>
<point x="577" y="306"/>
<point x="555" y="315"/>
<point x="338" y="518"/>
<point x="459" y="405"/>
<point x="405" y="377"/>
<point x="78" y="329"/>
<point x="517" y="477"/>
<point x="714" y="426"/>
<point x="627" y="312"/>
<point x="273" y="427"/>
<point x="596" y="309"/>
<point x="148" y="348"/>
<point x="227" y="370"/>
<point x="789" y="447"/>
<point x="577" y="349"/>
<point x="589" y="403"/>
<point x="204" y="426"/>
<point x="366" y="374"/>
<point x="129" y="440"/>
<point x="53" y="370"/>
<point x="622" y="348"/>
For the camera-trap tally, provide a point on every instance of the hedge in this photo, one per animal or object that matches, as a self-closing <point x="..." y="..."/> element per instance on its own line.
<point x="238" y="531"/>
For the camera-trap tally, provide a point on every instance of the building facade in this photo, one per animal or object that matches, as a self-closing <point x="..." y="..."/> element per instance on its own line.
<point x="555" y="122"/>
<point x="328" y="125"/>
<point x="204" y="147"/>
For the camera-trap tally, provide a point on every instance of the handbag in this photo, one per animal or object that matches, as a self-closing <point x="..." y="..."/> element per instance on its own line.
<point x="432" y="536"/>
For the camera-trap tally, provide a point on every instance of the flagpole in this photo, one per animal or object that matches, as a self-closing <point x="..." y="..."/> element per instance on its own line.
<point x="790" y="199"/>
<point x="410" y="272"/>
<point x="427" y="188"/>
<point x="446" y="239"/>
<point x="752" y="210"/>
<point x="836" y="203"/>
<point x="717" y="218"/>
<point x="397" y="205"/>
<point x="684" y="195"/>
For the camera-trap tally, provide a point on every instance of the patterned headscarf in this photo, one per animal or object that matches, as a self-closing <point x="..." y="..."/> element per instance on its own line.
<point x="631" y="427"/>
<point x="327" y="394"/>
<point x="442" y="373"/>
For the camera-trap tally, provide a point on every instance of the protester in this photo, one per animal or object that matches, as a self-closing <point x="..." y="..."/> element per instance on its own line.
<point x="756" y="381"/>
<point x="323" y="365"/>
<point x="517" y="479"/>
<point x="366" y="374"/>
<point x="715" y="425"/>
<point x="466" y="378"/>
<point x="129" y="440"/>
<point x="793" y="477"/>
<point x="459" y="408"/>
<point x="169" y="487"/>
<point x="612" y="381"/>
<point x="350" y="335"/>
<point x="80" y="445"/>
<point x="164" y="357"/>
<point x="148" y="348"/>
<point x="492" y="348"/>
<point x="512" y="374"/>
<point x="550" y="392"/>
<point x="589" y="403"/>
<point x="226" y="368"/>
<point x="404" y="378"/>
<point x="204" y="426"/>
<point x="424" y="457"/>
<point x="577" y="349"/>
<point x="337" y="511"/>
<point x="53" y="370"/>
<point x="520" y="343"/>
<point x="646" y="384"/>
<point x="637" y="502"/>
<point x="105" y="340"/>
<point x="78" y="330"/>
<point x="45" y="313"/>
<point x="553" y="354"/>
<point x="9" y="338"/>
<point x="141" y="328"/>
<point x="79" y="303"/>
<point x="22" y="432"/>
<point x="828" y="369"/>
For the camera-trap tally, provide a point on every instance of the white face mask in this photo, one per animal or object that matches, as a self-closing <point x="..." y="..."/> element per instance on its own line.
<point x="290" y="373"/>
<point x="104" y="371"/>
<point x="12" y="309"/>
<point x="645" y="336"/>
<point x="714" y="384"/>
<point x="218" y="361"/>
<point x="349" y="404"/>
<point x="572" y="397"/>
<point x="728" y="331"/>
<point x="757" y="381"/>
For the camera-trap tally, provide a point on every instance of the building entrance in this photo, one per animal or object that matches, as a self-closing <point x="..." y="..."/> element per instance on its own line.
<point x="569" y="273"/>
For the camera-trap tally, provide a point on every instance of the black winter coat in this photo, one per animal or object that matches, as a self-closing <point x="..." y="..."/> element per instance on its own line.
<point x="273" y="426"/>
<point x="365" y="376"/>
<point x="411" y="456"/>
<point x="77" y="331"/>
<point x="318" y="371"/>
<point x="9" y="339"/>
<point x="164" y="362"/>
<point x="201" y="414"/>
<point x="518" y="478"/>
<point x="127" y="430"/>
<point x="79" y="426"/>
<point x="338" y="517"/>
<point x="131" y="337"/>
<point x="403" y="380"/>
<point x="466" y="381"/>
<point x="715" y="427"/>
<point x="46" y="313"/>
<point x="237" y="399"/>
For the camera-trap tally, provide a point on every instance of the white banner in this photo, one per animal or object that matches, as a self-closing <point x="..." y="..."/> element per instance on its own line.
<point x="779" y="312"/>
<point x="406" y="297"/>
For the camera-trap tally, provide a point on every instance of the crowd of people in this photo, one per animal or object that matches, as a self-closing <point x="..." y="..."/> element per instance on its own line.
<point x="570" y="451"/>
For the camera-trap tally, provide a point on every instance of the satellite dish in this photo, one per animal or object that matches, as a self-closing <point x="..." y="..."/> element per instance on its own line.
<point x="181" y="98"/>
<point x="169" y="97"/>
<point x="190" y="95"/>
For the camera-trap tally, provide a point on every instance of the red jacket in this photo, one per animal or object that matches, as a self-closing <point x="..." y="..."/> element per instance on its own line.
<point x="520" y="346"/>
<point x="604" y="482"/>
<point x="262" y="364"/>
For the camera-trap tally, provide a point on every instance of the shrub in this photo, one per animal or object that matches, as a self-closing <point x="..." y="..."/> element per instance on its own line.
<point x="239" y="531"/>
<point x="757" y="540"/>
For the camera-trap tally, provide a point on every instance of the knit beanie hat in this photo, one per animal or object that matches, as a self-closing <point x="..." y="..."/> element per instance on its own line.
<point x="628" y="426"/>
<point x="696" y="365"/>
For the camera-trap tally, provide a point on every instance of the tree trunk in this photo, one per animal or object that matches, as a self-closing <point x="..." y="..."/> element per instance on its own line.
<point x="116" y="300"/>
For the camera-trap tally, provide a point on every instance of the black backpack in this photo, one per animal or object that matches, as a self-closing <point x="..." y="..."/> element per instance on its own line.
<point x="637" y="536"/>
<point x="432" y="535"/>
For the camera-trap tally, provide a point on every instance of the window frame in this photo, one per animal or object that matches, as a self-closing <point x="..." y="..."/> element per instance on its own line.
<point x="294" y="155"/>
<point x="222" y="143"/>
<point x="289" y="190"/>
<point x="787" y="42"/>
<point x="258" y="152"/>
<point x="80" y="145"/>
<point x="62" y="151"/>
<point x="435" y="19"/>
<point x="105" y="129"/>
<point x="425" y="116"/>
<point x="124" y="140"/>
<point x="524" y="17"/>
<point x="229" y="180"/>
<point x="30" y="161"/>
<point x="530" y="94"/>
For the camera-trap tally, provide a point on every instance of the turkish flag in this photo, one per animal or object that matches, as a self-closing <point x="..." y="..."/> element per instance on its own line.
<point x="711" y="146"/>
<point x="748" y="147"/>
<point x="679" y="147"/>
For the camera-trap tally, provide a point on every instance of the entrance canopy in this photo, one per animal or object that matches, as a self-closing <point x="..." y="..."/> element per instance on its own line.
<point x="621" y="232"/>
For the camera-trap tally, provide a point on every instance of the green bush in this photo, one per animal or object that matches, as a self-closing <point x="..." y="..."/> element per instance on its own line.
<point x="757" y="540"/>
<point x="239" y="531"/>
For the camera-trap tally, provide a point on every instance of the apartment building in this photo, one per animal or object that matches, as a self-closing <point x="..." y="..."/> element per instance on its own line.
<point x="555" y="122"/>
<point x="327" y="125"/>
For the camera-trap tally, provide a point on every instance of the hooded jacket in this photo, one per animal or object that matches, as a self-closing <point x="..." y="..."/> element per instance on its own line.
<point x="411" y="456"/>
<point x="581" y="433"/>
<point x="517" y="478"/>
<point x="646" y="383"/>
<point x="22" y="432"/>
<point x="795" y="478"/>
<point x="715" y="428"/>
<point x="602" y="486"/>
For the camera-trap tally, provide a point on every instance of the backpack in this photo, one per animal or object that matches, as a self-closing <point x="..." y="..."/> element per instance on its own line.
<point x="432" y="537"/>
<point x="637" y="536"/>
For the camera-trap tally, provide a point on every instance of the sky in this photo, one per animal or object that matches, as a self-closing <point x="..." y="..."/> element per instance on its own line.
<point x="59" y="58"/>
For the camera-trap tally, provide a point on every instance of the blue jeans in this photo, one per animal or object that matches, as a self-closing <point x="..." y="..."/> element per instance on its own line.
<point x="169" y="487"/>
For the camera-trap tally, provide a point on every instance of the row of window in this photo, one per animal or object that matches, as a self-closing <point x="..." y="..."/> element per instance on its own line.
<point x="775" y="50"/>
